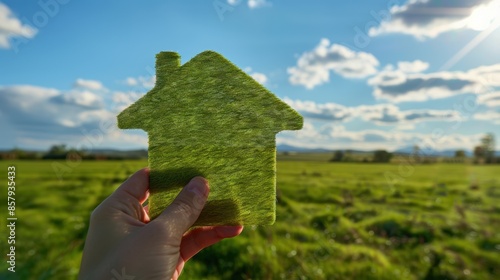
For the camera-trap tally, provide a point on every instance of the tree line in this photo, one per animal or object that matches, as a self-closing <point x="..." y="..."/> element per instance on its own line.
<point x="483" y="153"/>
<point x="62" y="151"/>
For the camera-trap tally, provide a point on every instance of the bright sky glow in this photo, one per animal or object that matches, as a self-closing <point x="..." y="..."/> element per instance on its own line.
<point x="372" y="74"/>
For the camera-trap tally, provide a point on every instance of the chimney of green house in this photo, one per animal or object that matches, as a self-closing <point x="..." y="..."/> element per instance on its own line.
<point x="166" y="63"/>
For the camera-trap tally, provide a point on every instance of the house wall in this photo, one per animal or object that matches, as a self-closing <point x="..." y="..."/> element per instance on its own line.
<point x="236" y="172"/>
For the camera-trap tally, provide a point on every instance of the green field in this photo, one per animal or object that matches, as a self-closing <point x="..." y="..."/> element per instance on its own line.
<point x="334" y="221"/>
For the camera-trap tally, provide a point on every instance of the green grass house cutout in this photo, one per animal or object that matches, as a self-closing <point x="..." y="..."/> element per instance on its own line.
<point x="209" y="118"/>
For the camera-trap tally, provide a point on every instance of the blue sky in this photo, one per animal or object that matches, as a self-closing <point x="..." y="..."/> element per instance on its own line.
<point x="364" y="74"/>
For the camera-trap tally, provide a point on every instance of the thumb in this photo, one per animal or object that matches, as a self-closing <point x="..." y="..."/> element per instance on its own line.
<point x="185" y="209"/>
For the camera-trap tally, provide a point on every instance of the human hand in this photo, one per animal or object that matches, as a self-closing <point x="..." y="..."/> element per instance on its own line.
<point x="122" y="243"/>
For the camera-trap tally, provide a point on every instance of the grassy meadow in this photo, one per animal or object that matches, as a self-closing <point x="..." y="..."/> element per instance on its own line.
<point x="334" y="221"/>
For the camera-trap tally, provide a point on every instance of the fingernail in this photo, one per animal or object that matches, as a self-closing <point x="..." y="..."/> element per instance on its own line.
<point x="228" y="231"/>
<point x="199" y="186"/>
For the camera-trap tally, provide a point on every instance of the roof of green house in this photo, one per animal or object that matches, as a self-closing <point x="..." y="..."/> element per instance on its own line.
<point x="209" y="91"/>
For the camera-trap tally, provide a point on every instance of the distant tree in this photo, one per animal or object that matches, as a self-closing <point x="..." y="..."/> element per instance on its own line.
<point x="416" y="154"/>
<point x="57" y="149"/>
<point x="56" y="152"/>
<point x="488" y="146"/>
<point x="18" y="153"/>
<point x="478" y="154"/>
<point x="460" y="155"/>
<point x="338" y="156"/>
<point x="382" y="156"/>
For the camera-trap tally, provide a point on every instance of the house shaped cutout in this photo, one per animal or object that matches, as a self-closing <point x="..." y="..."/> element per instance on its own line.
<point x="209" y="118"/>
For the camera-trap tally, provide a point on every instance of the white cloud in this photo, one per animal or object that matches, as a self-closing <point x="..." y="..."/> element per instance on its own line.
<point x="143" y="82"/>
<point x="131" y="81"/>
<point x="49" y="114"/>
<point x="23" y="97"/>
<point x="11" y="27"/>
<point x="335" y="136"/>
<point x="118" y="137"/>
<point x="124" y="99"/>
<point x="38" y="117"/>
<point x="307" y="132"/>
<point x="491" y="116"/>
<point x="416" y="66"/>
<point x="380" y="114"/>
<point x="483" y="16"/>
<point x="259" y="77"/>
<point x="252" y="4"/>
<point x="391" y="114"/>
<point x="325" y="111"/>
<point x="80" y="98"/>
<point x="45" y="113"/>
<point x="88" y="84"/>
<point x="313" y="68"/>
<point x="400" y="86"/>
<point x="429" y="18"/>
<point x="489" y="99"/>
<point x="488" y="74"/>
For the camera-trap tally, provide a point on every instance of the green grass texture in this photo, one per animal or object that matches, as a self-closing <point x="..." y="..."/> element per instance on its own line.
<point x="209" y="118"/>
<point x="334" y="221"/>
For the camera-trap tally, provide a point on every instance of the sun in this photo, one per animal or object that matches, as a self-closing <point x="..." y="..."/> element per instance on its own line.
<point x="485" y="16"/>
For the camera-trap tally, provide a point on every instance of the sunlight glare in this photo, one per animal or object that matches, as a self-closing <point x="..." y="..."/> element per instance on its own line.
<point x="484" y="16"/>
